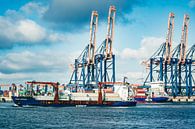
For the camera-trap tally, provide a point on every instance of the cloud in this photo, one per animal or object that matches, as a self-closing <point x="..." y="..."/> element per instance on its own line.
<point x="56" y="37"/>
<point x="148" y="46"/>
<point x="23" y="27"/>
<point x="44" y="65"/>
<point x="25" y="31"/>
<point x="26" y="61"/>
<point x="74" y="15"/>
<point x="21" y="78"/>
<point x="34" y="8"/>
<point x="191" y="3"/>
<point x="30" y="10"/>
<point x="22" y="31"/>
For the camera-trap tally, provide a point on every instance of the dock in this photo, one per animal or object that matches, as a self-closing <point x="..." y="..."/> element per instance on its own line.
<point x="183" y="99"/>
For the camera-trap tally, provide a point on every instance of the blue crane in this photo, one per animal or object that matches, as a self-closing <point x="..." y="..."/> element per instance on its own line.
<point x="162" y="57"/>
<point x="94" y="66"/>
<point x="173" y="67"/>
<point x="104" y="58"/>
<point x="83" y="73"/>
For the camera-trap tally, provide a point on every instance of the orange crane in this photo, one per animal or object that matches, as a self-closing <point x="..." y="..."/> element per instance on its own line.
<point x="55" y="85"/>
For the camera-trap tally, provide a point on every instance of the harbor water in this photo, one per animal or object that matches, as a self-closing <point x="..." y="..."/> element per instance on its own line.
<point x="168" y="116"/>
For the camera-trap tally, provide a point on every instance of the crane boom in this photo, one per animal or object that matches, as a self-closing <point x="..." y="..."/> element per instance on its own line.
<point x="92" y="40"/>
<point x="184" y="39"/>
<point x="110" y="29"/>
<point x="169" y="38"/>
<point x="1" y="85"/>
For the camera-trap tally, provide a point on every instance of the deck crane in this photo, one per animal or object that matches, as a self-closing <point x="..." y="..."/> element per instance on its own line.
<point x="55" y="86"/>
<point x="104" y="58"/>
<point x="83" y="73"/>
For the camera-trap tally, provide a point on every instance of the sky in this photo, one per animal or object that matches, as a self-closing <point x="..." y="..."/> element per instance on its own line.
<point x="39" y="40"/>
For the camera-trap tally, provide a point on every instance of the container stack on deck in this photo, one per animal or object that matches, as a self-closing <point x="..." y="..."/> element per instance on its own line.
<point x="6" y="91"/>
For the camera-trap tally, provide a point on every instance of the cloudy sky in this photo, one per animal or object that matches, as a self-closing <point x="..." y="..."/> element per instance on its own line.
<point x="40" y="39"/>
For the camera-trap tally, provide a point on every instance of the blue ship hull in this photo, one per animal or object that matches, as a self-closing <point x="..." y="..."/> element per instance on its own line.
<point x="30" y="101"/>
<point x="155" y="99"/>
<point x="140" y="99"/>
<point x="160" y="99"/>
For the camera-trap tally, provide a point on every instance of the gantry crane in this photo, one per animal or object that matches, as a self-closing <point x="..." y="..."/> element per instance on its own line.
<point x="104" y="58"/>
<point x="83" y="73"/>
<point x="174" y="67"/>
<point x="96" y="65"/>
<point x="168" y="50"/>
<point x="92" y="48"/>
<point x="160" y="60"/>
<point x="179" y="68"/>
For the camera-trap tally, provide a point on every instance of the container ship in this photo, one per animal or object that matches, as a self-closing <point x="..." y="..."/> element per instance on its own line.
<point x="154" y="92"/>
<point x="118" y="95"/>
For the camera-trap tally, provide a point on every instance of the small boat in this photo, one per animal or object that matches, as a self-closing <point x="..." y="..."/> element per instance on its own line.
<point x="99" y="97"/>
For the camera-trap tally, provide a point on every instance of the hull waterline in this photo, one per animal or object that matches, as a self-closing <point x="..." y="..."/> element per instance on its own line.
<point x="23" y="101"/>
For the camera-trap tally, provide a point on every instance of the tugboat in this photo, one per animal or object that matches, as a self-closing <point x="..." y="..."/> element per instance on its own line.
<point x="99" y="97"/>
<point x="152" y="93"/>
